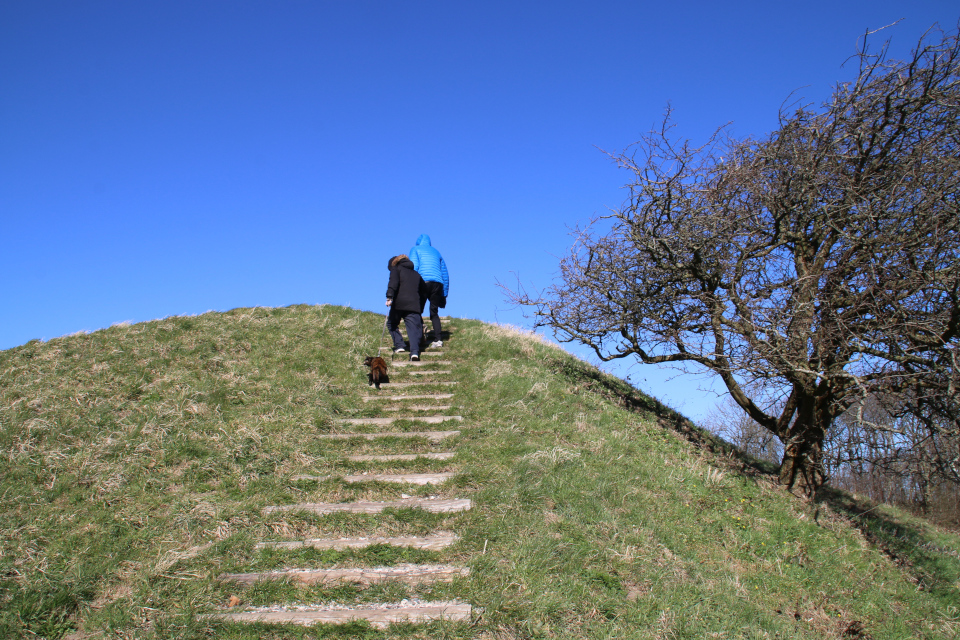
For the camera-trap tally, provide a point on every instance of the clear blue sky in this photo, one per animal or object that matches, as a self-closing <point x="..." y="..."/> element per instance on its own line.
<point x="167" y="158"/>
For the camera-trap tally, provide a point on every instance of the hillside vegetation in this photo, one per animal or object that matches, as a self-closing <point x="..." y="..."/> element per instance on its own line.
<point x="137" y="461"/>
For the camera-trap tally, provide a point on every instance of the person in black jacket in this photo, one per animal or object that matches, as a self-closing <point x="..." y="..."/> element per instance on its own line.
<point x="405" y="297"/>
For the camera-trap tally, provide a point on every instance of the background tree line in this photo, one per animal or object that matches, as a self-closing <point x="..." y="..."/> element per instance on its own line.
<point x="901" y="465"/>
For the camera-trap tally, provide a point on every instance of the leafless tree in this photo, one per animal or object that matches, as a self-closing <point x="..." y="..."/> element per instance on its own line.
<point x="894" y="458"/>
<point x="732" y="424"/>
<point x="818" y="265"/>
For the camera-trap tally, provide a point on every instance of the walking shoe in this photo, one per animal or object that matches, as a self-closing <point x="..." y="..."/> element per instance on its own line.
<point x="437" y="343"/>
<point x="399" y="350"/>
<point x="414" y="357"/>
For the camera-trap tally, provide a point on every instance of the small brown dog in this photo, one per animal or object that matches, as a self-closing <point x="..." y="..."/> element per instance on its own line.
<point x="378" y="370"/>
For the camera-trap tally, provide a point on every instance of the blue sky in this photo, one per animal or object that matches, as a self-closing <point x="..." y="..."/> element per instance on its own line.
<point x="168" y="158"/>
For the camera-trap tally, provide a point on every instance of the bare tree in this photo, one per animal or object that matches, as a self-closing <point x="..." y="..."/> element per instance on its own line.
<point x="818" y="265"/>
<point x="732" y="424"/>
<point x="896" y="459"/>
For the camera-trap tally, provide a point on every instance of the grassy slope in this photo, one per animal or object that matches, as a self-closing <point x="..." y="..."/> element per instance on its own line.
<point x="137" y="459"/>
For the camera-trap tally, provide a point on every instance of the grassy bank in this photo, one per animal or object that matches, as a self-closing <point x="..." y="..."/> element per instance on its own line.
<point x="137" y="460"/>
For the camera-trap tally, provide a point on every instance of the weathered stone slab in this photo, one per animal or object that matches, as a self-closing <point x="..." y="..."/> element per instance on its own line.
<point x="402" y="478"/>
<point x="436" y="505"/>
<point x="440" y="540"/>
<point x="392" y="419"/>
<point x="419" y="383"/>
<point x="399" y="478"/>
<point x="428" y="372"/>
<point x="433" y="436"/>
<point x="446" y="455"/>
<point x="411" y="363"/>
<point x="379" y="616"/>
<point x="424" y="396"/>
<point x="421" y="407"/>
<point x="405" y="573"/>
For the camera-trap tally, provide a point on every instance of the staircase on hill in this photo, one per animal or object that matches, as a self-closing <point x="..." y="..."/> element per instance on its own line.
<point x="426" y="378"/>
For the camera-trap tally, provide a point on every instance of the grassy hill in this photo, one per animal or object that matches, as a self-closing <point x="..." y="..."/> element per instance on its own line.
<point x="137" y="462"/>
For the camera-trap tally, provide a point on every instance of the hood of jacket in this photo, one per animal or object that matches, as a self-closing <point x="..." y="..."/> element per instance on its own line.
<point x="423" y="240"/>
<point x="406" y="263"/>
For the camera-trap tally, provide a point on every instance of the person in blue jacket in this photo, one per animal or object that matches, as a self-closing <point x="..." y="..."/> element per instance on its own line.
<point x="428" y="262"/>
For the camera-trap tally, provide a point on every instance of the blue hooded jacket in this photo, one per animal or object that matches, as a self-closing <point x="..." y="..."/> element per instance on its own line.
<point x="428" y="262"/>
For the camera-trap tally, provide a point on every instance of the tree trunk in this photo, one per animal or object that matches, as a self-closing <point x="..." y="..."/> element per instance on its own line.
<point x="802" y="465"/>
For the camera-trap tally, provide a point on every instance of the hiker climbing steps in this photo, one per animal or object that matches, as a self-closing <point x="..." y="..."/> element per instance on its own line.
<point x="406" y="443"/>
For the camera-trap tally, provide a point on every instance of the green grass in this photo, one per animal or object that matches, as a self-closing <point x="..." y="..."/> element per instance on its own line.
<point x="136" y="461"/>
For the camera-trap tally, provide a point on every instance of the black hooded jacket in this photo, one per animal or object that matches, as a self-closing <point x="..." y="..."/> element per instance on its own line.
<point x="406" y="287"/>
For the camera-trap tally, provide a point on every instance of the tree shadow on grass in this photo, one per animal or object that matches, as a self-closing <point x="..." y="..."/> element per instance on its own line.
<point x="932" y="567"/>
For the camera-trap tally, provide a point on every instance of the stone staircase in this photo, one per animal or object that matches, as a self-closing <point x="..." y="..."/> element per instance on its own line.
<point x="397" y="433"/>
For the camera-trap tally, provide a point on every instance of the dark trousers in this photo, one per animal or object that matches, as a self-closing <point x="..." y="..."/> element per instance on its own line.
<point x="414" y="324"/>
<point x="437" y="301"/>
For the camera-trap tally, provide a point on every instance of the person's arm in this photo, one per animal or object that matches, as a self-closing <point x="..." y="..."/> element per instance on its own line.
<point x="446" y="278"/>
<point x="393" y="285"/>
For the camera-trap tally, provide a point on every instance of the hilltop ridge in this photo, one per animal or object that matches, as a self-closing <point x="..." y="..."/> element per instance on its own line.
<point x="140" y="462"/>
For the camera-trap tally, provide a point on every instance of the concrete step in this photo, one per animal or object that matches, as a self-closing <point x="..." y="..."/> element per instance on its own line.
<point x="429" y="435"/>
<point x="379" y="616"/>
<point x="428" y="372"/>
<point x="419" y="383"/>
<point x="405" y="573"/>
<point x="391" y="420"/>
<point x="431" y="505"/>
<point x="446" y="455"/>
<point x="410" y="363"/>
<point x="421" y="407"/>
<point x="399" y="478"/>
<point x="436" y="541"/>
<point x="426" y="396"/>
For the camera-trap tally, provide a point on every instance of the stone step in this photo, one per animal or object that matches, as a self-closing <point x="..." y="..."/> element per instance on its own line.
<point x="426" y="396"/>
<point x="429" y="435"/>
<point x="391" y="420"/>
<point x="421" y="407"/>
<point x="425" y="347"/>
<point x="405" y="573"/>
<point x="411" y="363"/>
<point x="379" y="616"/>
<point x="446" y="455"/>
<point x="436" y="541"/>
<point x="431" y="505"/>
<point x="419" y="383"/>
<point x="400" y="478"/>
<point x="447" y="335"/>
<point x="428" y="372"/>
